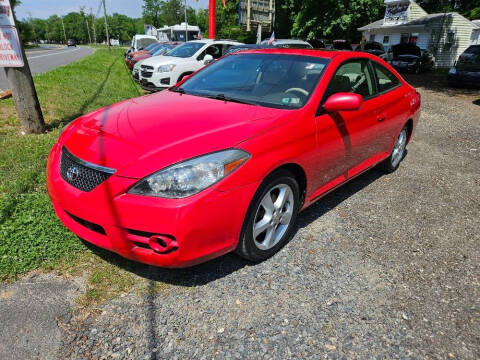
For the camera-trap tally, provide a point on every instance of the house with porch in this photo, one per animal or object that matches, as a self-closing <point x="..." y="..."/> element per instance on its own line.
<point x="446" y="35"/>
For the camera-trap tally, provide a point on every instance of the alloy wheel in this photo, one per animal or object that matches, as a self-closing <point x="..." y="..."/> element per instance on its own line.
<point x="273" y="216"/>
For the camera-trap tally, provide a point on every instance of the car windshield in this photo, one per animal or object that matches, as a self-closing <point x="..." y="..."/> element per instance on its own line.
<point x="185" y="50"/>
<point x="151" y="46"/>
<point x="470" y="59"/>
<point x="273" y="80"/>
<point x="162" y="50"/>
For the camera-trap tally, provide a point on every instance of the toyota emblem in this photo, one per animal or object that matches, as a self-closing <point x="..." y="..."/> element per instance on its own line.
<point x="72" y="173"/>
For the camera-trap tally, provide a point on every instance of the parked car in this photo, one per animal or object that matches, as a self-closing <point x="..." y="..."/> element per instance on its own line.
<point x="71" y="42"/>
<point x="410" y="58"/>
<point x="139" y="61"/>
<point x="140" y="42"/>
<point x="161" y="72"/>
<point x="132" y="55"/>
<point x="341" y="45"/>
<point x="226" y="159"/>
<point x="372" y="47"/>
<point x="466" y="71"/>
<point x="289" y="43"/>
<point x="160" y="49"/>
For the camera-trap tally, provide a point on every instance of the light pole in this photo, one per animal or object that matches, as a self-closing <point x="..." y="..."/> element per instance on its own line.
<point x="186" y="24"/>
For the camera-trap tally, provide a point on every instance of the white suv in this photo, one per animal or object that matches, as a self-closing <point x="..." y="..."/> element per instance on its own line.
<point x="161" y="72"/>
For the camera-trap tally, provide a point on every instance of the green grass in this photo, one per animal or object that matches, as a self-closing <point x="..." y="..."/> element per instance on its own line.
<point x="31" y="236"/>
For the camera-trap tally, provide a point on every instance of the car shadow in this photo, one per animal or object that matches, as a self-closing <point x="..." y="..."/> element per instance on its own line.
<point x="476" y="102"/>
<point x="225" y="265"/>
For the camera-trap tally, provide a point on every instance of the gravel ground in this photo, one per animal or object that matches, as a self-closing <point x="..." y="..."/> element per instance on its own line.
<point x="385" y="267"/>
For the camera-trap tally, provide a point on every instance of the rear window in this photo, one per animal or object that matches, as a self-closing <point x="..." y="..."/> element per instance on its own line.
<point x="473" y="50"/>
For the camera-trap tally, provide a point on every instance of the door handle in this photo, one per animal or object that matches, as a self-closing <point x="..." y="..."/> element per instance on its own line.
<point x="381" y="117"/>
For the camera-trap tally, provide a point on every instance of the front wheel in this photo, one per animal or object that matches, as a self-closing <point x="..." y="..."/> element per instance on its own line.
<point x="393" y="161"/>
<point x="270" y="218"/>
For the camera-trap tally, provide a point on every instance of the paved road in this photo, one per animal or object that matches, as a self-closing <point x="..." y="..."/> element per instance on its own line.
<point x="48" y="58"/>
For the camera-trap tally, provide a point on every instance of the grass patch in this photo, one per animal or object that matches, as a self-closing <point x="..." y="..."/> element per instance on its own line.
<point x="31" y="236"/>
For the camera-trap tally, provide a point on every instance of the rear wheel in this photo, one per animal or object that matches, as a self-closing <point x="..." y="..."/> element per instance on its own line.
<point x="270" y="218"/>
<point x="398" y="153"/>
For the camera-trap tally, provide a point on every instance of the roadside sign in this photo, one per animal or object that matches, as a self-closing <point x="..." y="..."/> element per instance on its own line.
<point x="10" y="50"/>
<point x="6" y="13"/>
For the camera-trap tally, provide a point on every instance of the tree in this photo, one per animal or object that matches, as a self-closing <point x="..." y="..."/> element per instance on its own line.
<point x="152" y="10"/>
<point x="313" y="19"/>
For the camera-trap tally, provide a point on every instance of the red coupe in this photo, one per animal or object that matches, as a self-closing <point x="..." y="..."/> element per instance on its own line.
<point x="225" y="160"/>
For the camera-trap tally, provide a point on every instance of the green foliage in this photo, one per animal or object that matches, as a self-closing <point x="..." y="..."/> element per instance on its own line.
<point x="30" y="234"/>
<point x="331" y="19"/>
<point x="159" y="12"/>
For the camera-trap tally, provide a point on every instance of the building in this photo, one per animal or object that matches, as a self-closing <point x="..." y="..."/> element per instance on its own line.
<point x="446" y="35"/>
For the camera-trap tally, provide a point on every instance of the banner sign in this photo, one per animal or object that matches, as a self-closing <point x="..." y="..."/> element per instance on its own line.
<point x="6" y="14"/>
<point x="10" y="51"/>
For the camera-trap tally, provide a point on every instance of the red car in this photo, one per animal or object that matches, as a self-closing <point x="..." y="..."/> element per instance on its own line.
<point x="226" y="159"/>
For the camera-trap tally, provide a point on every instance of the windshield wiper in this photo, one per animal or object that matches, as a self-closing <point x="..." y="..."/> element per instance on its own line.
<point x="229" y="99"/>
<point x="177" y="89"/>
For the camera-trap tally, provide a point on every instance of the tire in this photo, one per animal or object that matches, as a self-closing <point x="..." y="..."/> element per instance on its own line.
<point x="391" y="163"/>
<point x="282" y="219"/>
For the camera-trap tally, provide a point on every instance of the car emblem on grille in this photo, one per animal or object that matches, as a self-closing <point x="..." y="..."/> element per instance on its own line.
<point x="72" y="173"/>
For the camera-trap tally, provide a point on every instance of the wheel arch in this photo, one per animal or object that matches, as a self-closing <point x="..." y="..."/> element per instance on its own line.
<point x="299" y="174"/>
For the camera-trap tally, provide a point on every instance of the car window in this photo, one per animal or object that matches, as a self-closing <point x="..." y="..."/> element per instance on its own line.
<point x="186" y="50"/>
<point x="386" y="80"/>
<point x="272" y="80"/>
<point x="353" y="76"/>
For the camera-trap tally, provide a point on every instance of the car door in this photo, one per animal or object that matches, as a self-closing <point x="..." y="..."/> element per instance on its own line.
<point x="393" y="102"/>
<point x="357" y="129"/>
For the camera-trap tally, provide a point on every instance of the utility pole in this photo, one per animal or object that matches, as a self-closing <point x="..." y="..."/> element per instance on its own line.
<point x="24" y="94"/>
<point x="186" y="26"/>
<point x="64" y="32"/>
<point x="93" y="27"/>
<point x="88" y="29"/>
<point x="106" y="24"/>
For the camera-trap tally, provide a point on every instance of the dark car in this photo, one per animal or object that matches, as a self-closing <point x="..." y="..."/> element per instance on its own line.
<point x="372" y="47"/>
<point x="410" y="58"/>
<point x="466" y="70"/>
<point x="342" y="45"/>
<point x="71" y="42"/>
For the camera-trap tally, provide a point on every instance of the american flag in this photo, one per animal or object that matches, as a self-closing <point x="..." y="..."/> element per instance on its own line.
<point x="272" y="38"/>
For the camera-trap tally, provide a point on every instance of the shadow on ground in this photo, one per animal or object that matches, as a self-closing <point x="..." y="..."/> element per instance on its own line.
<point x="81" y="111"/>
<point x="437" y="82"/>
<point x="225" y="265"/>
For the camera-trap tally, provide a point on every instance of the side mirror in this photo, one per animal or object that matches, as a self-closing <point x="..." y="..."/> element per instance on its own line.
<point x="343" y="102"/>
<point x="207" y="59"/>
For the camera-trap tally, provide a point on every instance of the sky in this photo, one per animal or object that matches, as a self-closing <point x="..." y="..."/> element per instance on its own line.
<point x="44" y="8"/>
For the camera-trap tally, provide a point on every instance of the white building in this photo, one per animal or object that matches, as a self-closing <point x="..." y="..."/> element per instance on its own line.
<point x="446" y="35"/>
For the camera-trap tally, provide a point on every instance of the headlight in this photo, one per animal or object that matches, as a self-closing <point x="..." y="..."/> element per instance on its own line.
<point x="192" y="176"/>
<point x="166" y="68"/>
<point x="452" y="71"/>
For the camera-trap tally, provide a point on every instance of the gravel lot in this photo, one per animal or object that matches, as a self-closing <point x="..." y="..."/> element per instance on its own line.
<point x="385" y="267"/>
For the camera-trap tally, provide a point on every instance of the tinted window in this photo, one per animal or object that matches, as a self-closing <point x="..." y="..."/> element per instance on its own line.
<point x="385" y="79"/>
<point x="272" y="80"/>
<point x="186" y="50"/>
<point x="353" y="76"/>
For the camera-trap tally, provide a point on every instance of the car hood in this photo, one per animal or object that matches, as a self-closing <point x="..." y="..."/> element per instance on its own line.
<point x="162" y="59"/>
<point x="140" y="136"/>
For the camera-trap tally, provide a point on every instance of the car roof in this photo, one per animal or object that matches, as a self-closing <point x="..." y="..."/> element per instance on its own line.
<point x="328" y="54"/>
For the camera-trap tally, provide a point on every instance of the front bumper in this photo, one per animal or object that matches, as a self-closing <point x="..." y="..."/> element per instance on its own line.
<point x="203" y="226"/>
<point x="404" y="67"/>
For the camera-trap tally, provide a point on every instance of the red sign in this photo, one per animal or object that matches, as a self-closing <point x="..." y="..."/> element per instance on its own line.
<point x="10" y="51"/>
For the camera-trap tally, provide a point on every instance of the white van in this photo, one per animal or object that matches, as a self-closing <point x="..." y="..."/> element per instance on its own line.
<point x="140" y="42"/>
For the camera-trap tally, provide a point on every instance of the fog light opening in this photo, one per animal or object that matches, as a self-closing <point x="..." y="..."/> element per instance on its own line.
<point x="162" y="244"/>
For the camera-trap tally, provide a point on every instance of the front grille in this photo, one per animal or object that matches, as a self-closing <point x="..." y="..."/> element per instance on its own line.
<point x="146" y="67"/>
<point x="147" y="74"/>
<point x="81" y="174"/>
